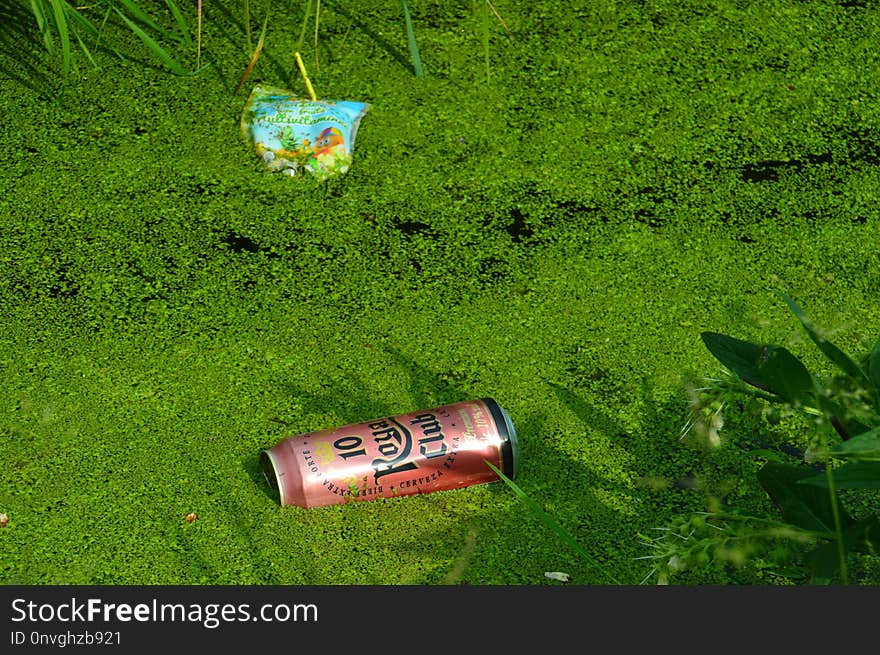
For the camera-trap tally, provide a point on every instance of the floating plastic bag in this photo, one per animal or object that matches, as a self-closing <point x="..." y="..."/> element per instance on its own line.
<point x="293" y="134"/>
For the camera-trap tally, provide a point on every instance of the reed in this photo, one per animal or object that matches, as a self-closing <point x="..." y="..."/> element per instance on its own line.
<point x="413" y="44"/>
<point x="62" y="25"/>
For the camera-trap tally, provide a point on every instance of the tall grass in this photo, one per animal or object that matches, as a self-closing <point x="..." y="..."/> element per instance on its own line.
<point x="413" y="44"/>
<point x="256" y="52"/>
<point x="66" y="28"/>
<point x="485" y="7"/>
<point x="63" y="25"/>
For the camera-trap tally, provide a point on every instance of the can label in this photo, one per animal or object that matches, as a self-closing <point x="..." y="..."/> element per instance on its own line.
<point x="438" y="449"/>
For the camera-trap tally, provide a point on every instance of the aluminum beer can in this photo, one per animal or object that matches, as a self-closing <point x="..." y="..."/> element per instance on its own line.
<point x="436" y="449"/>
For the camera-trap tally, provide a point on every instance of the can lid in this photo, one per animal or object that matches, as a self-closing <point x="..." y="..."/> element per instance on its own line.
<point x="510" y="447"/>
<point x="514" y="443"/>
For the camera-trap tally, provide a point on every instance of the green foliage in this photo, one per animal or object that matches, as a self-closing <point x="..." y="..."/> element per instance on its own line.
<point x="63" y="25"/>
<point x="413" y="44"/>
<point x="61" y="22"/>
<point x="815" y="530"/>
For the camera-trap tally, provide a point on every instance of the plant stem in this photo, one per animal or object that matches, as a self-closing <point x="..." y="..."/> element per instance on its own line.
<point x="302" y="31"/>
<point x="841" y="553"/>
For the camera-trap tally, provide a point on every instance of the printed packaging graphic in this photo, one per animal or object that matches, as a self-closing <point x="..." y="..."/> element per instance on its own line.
<point x="292" y="134"/>
<point x="430" y="450"/>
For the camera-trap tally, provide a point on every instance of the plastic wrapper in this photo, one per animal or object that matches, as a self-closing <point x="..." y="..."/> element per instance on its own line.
<point x="294" y="135"/>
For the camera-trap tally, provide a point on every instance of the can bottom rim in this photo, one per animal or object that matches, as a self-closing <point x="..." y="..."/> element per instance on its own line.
<point x="270" y="472"/>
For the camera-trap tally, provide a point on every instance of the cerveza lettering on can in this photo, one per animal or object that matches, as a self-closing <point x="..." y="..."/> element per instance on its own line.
<point x="437" y="449"/>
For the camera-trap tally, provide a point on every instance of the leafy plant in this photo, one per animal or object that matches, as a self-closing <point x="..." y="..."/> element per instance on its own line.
<point x="64" y="26"/>
<point x="813" y="536"/>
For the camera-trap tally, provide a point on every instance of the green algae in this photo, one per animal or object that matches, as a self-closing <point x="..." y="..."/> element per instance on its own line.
<point x="556" y="238"/>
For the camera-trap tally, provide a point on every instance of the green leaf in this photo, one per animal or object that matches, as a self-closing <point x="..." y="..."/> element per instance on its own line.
<point x="741" y="357"/>
<point x="824" y="563"/>
<point x="84" y="23"/>
<point x="181" y="21"/>
<point x="158" y="50"/>
<point x="845" y="425"/>
<point x="852" y="475"/>
<point x="413" y="44"/>
<point x="874" y="365"/>
<point x="39" y="10"/>
<point x="863" y="536"/>
<point x="832" y="352"/>
<point x="771" y="368"/>
<point x="805" y="506"/>
<point x="141" y="16"/>
<point x="85" y="50"/>
<point x="786" y="375"/>
<point x="865" y="446"/>
<point x="302" y="32"/>
<point x="58" y="8"/>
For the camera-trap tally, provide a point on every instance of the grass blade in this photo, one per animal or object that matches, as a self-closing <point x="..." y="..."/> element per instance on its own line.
<point x="500" y="20"/>
<point x="874" y="365"/>
<point x="39" y="10"/>
<point x="58" y="10"/>
<point x="247" y="26"/>
<point x="141" y="16"/>
<point x="85" y="50"/>
<point x="413" y="44"/>
<point x="832" y="352"/>
<point x="256" y="54"/>
<point x="549" y="521"/>
<point x="157" y="49"/>
<point x="302" y="31"/>
<point x="181" y="21"/>
<point x="85" y="24"/>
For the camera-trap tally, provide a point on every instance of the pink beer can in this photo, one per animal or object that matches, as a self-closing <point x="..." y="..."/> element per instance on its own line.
<point x="437" y="449"/>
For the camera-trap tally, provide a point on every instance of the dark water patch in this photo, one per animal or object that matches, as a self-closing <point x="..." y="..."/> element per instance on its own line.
<point x="575" y="209"/>
<point x="239" y="243"/>
<point x="863" y="145"/>
<point x="63" y="287"/>
<point x="492" y="269"/>
<point x="647" y="216"/>
<point x="413" y="228"/>
<point x="518" y="228"/>
<point x="776" y="63"/>
<point x="768" y="169"/>
<point x="204" y="187"/>
<point x="653" y="203"/>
